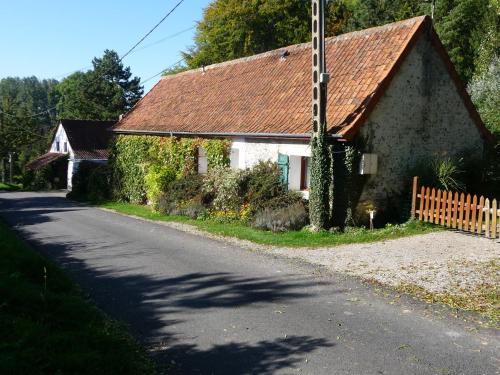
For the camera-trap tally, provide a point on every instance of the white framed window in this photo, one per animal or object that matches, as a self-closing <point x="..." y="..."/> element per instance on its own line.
<point x="235" y="158"/>
<point x="65" y="146"/>
<point x="305" y="173"/>
<point x="202" y="161"/>
<point x="58" y="146"/>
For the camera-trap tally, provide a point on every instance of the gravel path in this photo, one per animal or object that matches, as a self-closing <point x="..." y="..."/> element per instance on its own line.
<point x="438" y="262"/>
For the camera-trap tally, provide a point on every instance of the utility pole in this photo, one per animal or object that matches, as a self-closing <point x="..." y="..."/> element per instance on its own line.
<point x="319" y="199"/>
<point x="10" y="166"/>
<point x="2" y="165"/>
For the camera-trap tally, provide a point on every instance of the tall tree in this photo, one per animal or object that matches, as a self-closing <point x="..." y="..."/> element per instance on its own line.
<point x="102" y="93"/>
<point x="460" y="24"/>
<point x="235" y="28"/>
<point x="25" y="121"/>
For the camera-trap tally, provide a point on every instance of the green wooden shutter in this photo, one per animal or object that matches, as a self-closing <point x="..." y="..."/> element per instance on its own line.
<point x="283" y="164"/>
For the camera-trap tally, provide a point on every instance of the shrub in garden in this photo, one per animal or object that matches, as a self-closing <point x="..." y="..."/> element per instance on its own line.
<point x="156" y="181"/>
<point x="99" y="183"/>
<point x="293" y="217"/>
<point x="223" y="183"/>
<point x="91" y="182"/>
<point x="262" y="184"/>
<point x="443" y="173"/>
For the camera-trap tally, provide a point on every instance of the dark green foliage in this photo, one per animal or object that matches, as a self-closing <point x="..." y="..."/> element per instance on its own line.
<point x="50" y="328"/>
<point x="91" y="182"/>
<point x="441" y="173"/>
<point x="187" y="189"/>
<point x="234" y="28"/>
<point x="485" y="93"/>
<point x="293" y="217"/>
<point x="460" y="25"/>
<point x="28" y="137"/>
<point x="128" y="160"/>
<point x="370" y="13"/>
<point x="263" y="186"/>
<point x="321" y="178"/>
<point x="103" y="93"/>
<point x="52" y="176"/>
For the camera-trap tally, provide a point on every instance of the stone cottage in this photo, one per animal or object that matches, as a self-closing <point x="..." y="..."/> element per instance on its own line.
<point x="75" y="141"/>
<point x="393" y="95"/>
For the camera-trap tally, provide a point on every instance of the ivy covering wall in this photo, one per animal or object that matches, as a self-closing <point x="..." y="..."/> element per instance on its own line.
<point x="143" y="166"/>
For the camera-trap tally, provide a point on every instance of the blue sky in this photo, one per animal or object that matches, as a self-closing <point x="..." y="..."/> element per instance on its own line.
<point x="52" y="38"/>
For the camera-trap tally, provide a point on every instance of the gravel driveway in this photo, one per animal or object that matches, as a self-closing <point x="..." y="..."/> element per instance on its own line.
<point x="441" y="262"/>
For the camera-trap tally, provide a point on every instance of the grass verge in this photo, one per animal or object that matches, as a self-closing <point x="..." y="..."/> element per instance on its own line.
<point x="302" y="238"/>
<point x="46" y="325"/>
<point x="9" y="187"/>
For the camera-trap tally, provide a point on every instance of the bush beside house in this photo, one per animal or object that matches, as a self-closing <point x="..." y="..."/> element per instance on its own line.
<point x="162" y="172"/>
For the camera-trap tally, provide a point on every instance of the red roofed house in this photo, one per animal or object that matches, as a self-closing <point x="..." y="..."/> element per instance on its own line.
<point x="75" y="141"/>
<point x="393" y="94"/>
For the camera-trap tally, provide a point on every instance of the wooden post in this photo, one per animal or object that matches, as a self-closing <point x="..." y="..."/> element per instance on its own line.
<point x="438" y="207"/>
<point x="480" y="217"/>
<point x="467" y="213"/>
<point x="461" y="212"/>
<point x="414" y="197"/>
<point x="473" y="228"/>
<point x="422" y="198"/>
<point x="449" y="209"/>
<point x="494" y="219"/>
<point x="443" y="208"/>
<point x="426" y="209"/>
<point x="455" y="211"/>
<point x="431" y="208"/>
<point x="487" y="217"/>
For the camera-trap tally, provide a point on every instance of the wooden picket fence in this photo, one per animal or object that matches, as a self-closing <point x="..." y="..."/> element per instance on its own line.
<point x="468" y="213"/>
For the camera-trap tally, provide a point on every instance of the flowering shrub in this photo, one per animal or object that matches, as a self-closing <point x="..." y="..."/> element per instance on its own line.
<point x="223" y="184"/>
<point x="293" y="217"/>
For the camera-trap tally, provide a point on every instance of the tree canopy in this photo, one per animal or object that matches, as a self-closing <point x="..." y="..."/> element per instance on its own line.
<point x="25" y="122"/>
<point x="102" y="93"/>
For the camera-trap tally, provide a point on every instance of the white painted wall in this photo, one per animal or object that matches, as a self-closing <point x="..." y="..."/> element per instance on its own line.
<point x="62" y="138"/>
<point x="73" y="163"/>
<point x="245" y="153"/>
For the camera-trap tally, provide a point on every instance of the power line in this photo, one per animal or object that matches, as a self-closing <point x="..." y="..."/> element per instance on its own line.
<point x="121" y="58"/>
<point x="153" y="29"/>
<point x="164" y="70"/>
<point x="165" y="39"/>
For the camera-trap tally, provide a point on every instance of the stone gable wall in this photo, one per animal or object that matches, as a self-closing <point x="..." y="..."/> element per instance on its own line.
<point x="420" y="116"/>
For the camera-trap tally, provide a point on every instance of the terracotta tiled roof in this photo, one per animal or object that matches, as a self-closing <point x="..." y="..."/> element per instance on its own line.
<point x="45" y="159"/>
<point x="266" y="94"/>
<point x="88" y="139"/>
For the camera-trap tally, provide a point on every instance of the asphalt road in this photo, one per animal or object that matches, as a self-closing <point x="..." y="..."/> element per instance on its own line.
<point x="213" y="308"/>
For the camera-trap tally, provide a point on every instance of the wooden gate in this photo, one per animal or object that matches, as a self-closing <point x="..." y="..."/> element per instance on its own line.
<point x="468" y="213"/>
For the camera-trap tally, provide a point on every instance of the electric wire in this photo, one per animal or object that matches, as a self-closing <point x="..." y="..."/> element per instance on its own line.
<point x="121" y="58"/>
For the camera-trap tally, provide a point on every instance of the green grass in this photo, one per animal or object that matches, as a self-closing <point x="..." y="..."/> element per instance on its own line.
<point x="302" y="238"/>
<point x="47" y="327"/>
<point x="9" y="187"/>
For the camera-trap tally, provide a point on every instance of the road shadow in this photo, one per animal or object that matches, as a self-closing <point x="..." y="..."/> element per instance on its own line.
<point x="152" y="305"/>
<point x="147" y="305"/>
<point x="264" y="357"/>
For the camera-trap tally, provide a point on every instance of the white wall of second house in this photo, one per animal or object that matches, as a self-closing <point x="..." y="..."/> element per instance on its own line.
<point x="62" y="138"/>
<point x="248" y="152"/>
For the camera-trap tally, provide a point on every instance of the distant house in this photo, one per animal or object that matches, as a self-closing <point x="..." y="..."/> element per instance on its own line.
<point x="394" y="95"/>
<point x="75" y="141"/>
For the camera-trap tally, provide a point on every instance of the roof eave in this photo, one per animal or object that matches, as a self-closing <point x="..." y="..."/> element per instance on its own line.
<point x="301" y="136"/>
